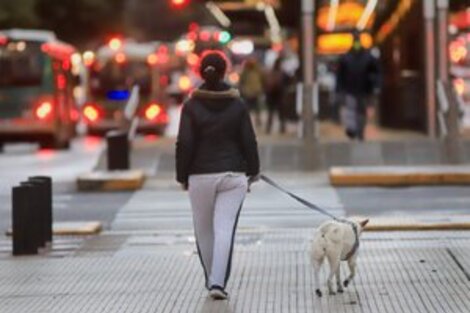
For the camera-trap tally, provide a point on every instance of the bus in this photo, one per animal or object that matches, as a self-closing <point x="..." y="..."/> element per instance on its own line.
<point x="117" y="67"/>
<point x="37" y="103"/>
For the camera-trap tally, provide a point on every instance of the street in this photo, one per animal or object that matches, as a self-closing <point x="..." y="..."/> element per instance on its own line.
<point x="134" y="211"/>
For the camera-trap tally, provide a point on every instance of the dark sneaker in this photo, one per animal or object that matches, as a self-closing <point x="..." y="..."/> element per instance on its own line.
<point x="218" y="293"/>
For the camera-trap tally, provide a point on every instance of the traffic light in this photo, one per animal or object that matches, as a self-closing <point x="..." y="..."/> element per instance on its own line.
<point x="179" y="4"/>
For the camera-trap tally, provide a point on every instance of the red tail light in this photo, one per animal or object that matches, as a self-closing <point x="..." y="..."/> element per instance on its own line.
<point x="44" y="110"/>
<point x="91" y="112"/>
<point x="154" y="112"/>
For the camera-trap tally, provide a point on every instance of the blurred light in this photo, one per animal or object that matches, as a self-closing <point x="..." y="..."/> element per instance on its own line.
<point x="459" y="85"/>
<point x="44" y="110"/>
<point x="278" y="47"/>
<point x="185" y="46"/>
<point x="3" y="40"/>
<point x="76" y="59"/>
<point x="91" y="113"/>
<point x="368" y="11"/>
<point x="21" y="46"/>
<point x="163" y="49"/>
<point x="184" y="83"/>
<point x="219" y="15"/>
<point x="205" y="35"/>
<point x="242" y="47"/>
<point x="61" y="82"/>
<point x="88" y="58"/>
<point x="193" y="27"/>
<point x="346" y="15"/>
<point x="152" y="111"/>
<point x="391" y="24"/>
<point x="120" y="58"/>
<point x="334" y="4"/>
<point x="152" y="59"/>
<point x="458" y="52"/>
<point x="163" y="58"/>
<point x="192" y="59"/>
<point x="234" y="78"/>
<point x="192" y="36"/>
<point x="118" y="95"/>
<point x="115" y="44"/>
<point x="179" y="4"/>
<point x="164" y="80"/>
<point x="225" y="37"/>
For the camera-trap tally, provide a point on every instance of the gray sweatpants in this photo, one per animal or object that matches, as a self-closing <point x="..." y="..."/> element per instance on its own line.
<point x="216" y="201"/>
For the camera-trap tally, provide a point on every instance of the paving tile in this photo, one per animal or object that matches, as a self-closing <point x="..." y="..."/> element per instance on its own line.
<point x="398" y="272"/>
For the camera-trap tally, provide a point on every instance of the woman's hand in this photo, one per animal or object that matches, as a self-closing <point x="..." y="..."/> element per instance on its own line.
<point x="251" y="180"/>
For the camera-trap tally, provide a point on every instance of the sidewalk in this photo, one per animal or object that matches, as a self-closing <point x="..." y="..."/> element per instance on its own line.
<point x="147" y="262"/>
<point x="160" y="272"/>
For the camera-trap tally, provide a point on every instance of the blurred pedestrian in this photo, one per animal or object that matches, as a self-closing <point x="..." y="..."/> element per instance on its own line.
<point x="216" y="160"/>
<point x="358" y="77"/>
<point x="252" y="87"/>
<point x="276" y="82"/>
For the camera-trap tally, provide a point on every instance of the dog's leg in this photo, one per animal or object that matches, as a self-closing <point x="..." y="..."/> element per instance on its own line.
<point x="339" y="286"/>
<point x="333" y="260"/>
<point x="352" y="269"/>
<point x="316" y="266"/>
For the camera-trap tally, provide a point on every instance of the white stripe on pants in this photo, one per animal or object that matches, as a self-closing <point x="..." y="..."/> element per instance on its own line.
<point x="216" y="201"/>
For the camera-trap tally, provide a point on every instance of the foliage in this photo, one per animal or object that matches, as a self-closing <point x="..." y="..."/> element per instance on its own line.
<point x="78" y="21"/>
<point x="17" y="13"/>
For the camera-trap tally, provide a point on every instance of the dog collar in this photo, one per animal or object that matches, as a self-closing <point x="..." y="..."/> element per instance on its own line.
<point x="356" y="243"/>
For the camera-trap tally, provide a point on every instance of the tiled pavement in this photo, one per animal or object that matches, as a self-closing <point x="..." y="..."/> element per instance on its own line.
<point x="160" y="272"/>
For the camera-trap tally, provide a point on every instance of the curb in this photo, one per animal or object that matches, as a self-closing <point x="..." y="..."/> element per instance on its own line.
<point x="398" y="176"/>
<point x="380" y="224"/>
<point x="111" y="181"/>
<point x="72" y="229"/>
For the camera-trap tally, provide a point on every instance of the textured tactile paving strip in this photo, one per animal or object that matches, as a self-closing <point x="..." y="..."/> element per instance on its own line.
<point x="398" y="272"/>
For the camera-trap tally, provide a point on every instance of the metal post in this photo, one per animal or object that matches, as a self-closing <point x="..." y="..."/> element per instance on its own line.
<point x="118" y="150"/>
<point x="46" y="182"/>
<point x="36" y="213"/>
<point x="308" y="7"/>
<point x="443" y="45"/>
<point x="308" y="94"/>
<point x="452" y="145"/>
<point x="22" y="243"/>
<point x="430" y="60"/>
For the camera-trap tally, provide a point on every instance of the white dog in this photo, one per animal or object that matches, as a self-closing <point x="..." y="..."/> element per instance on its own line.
<point x="337" y="242"/>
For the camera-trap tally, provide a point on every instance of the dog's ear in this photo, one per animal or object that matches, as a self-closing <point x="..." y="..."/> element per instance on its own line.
<point x="364" y="223"/>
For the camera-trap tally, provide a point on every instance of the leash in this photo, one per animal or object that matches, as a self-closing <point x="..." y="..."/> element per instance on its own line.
<point x="316" y="208"/>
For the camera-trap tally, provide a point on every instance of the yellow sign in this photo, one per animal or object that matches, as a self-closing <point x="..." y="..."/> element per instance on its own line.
<point x="340" y="43"/>
<point x="347" y="15"/>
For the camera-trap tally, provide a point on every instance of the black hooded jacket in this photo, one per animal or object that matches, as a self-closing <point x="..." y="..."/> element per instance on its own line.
<point x="215" y="135"/>
<point x="358" y="73"/>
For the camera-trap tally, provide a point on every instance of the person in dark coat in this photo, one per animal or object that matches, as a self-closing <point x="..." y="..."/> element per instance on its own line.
<point x="357" y="78"/>
<point x="276" y="84"/>
<point x="216" y="160"/>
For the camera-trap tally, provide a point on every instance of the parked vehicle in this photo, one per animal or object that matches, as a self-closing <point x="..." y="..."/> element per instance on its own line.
<point x="36" y="89"/>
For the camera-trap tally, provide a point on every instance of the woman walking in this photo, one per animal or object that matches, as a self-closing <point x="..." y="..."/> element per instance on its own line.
<point x="216" y="160"/>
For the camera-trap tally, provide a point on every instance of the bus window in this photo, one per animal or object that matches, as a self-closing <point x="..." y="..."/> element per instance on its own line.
<point x="21" y="64"/>
<point x="115" y="76"/>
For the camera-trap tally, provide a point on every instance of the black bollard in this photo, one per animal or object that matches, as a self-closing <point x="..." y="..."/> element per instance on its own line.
<point x="48" y="211"/>
<point x="118" y="155"/>
<point x="36" y="212"/>
<point x="23" y="234"/>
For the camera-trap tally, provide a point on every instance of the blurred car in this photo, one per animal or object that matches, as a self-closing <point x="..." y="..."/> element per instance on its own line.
<point x="118" y="67"/>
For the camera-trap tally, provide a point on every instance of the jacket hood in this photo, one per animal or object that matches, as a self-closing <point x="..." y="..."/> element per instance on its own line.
<point x="216" y="100"/>
<point x="203" y="93"/>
